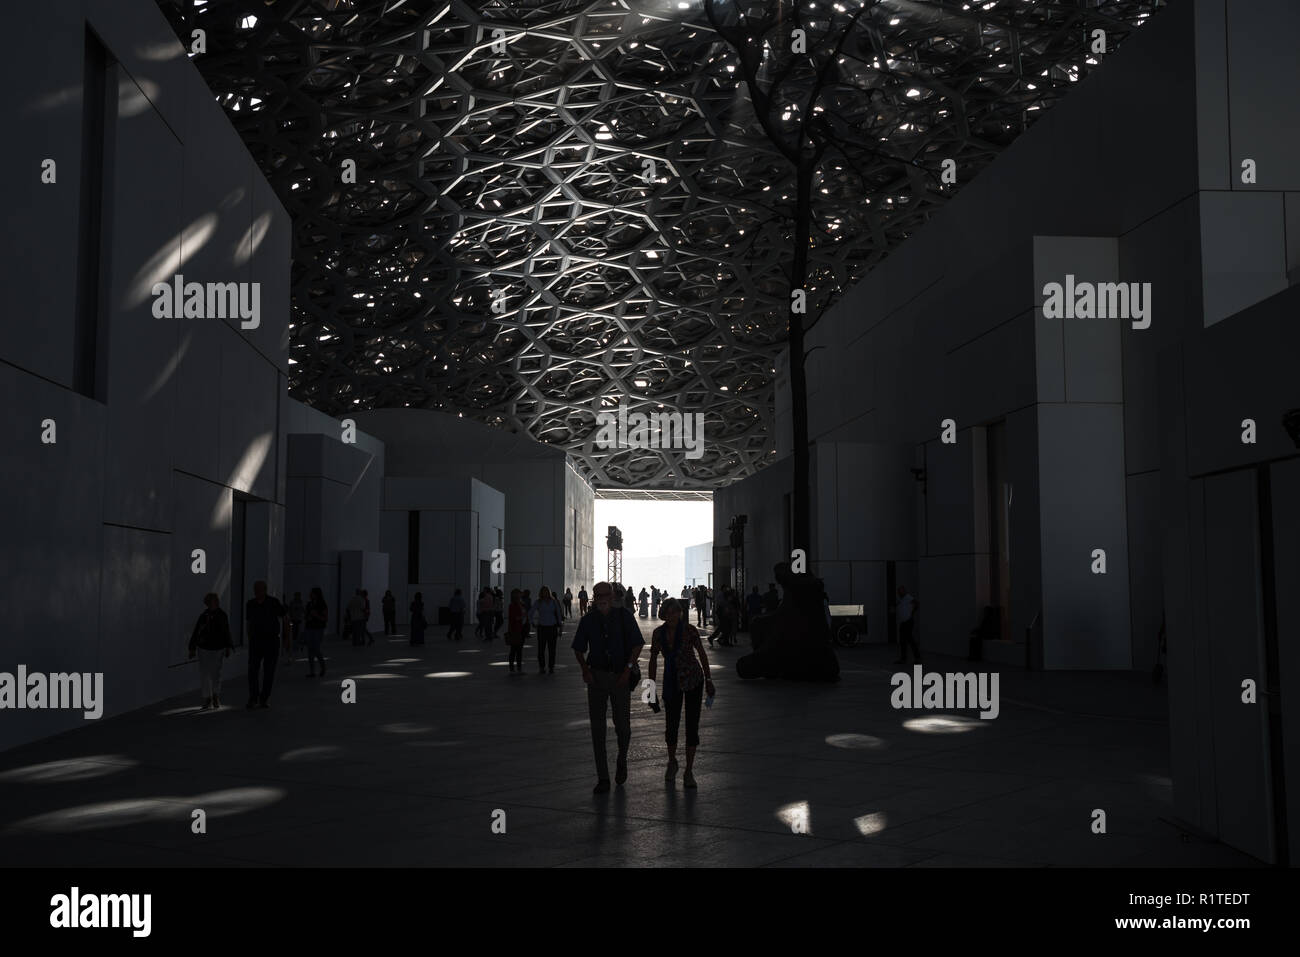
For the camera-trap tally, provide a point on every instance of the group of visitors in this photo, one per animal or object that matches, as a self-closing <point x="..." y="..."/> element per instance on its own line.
<point x="547" y="613"/>
<point x="608" y="645"/>
<point x="278" y="629"/>
<point x="270" y="622"/>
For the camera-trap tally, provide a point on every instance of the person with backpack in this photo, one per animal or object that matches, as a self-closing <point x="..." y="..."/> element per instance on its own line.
<point x="211" y="640"/>
<point x="686" y="680"/>
<point x="607" y="645"/>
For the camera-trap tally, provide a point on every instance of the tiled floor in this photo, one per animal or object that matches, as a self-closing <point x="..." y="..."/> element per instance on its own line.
<point x="442" y="736"/>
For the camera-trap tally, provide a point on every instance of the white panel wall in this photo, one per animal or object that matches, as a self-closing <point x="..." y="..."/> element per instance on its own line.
<point x="95" y="568"/>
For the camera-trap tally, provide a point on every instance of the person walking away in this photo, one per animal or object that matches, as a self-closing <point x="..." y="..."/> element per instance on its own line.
<point x="389" y="605"/>
<point x="211" y="640"/>
<point x="317" y="617"/>
<point x="686" y="679"/>
<point x="365" y="621"/>
<point x="456" y="609"/>
<point x="356" y="622"/>
<point x="549" y="621"/>
<point x="515" y="631"/>
<point x="753" y="606"/>
<point x="266" y="617"/>
<point x="733" y="616"/>
<point x="907" y="608"/>
<point x="568" y="602"/>
<point x="719" y="623"/>
<point x="608" y="642"/>
<point x="582" y="600"/>
<point x="418" y="621"/>
<point x="484" y="615"/>
<point x="498" y="611"/>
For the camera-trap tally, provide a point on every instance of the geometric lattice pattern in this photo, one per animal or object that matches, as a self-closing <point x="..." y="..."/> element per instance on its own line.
<point x="567" y="206"/>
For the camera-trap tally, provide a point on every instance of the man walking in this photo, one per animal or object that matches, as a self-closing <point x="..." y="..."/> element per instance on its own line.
<point x="611" y="641"/>
<point x="582" y="600"/>
<point x="456" y="612"/>
<point x="266" y="616"/>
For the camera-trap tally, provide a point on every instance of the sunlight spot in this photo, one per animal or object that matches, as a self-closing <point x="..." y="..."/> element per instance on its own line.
<point x="871" y="823"/>
<point x="316" y="753"/>
<point x="855" y="742"/>
<point x="87" y="817"/>
<point x="404" y="727"/>
<point x="797" y="816"/>
<point x="70" y="769"/>
<point x="941" y="724"/>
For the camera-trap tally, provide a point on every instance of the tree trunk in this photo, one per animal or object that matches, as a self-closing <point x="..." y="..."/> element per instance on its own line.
<point x="800" y="505"/>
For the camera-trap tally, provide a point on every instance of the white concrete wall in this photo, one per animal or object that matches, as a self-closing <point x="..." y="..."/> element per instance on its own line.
<point x="461" y="520"/>
<point x="1214" y="519"/>
<point x="1114" y="435"/>
<point x="541" y="491"/>
<point x="579" y="532"/>
<point x="95" y="569"/>
<point x="699" y="564"/>
<point x="334" y="491"/>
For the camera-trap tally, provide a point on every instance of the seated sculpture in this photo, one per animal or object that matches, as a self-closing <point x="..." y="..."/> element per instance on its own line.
<point x="794" y="642"/>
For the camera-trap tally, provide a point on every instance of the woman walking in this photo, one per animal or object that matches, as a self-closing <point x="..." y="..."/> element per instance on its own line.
<point x="515" y="631"/>
<point x="211" y="639"/>
<point x="317" y="613"/>
<point x="549" y="617"/>
<point x="686" y="679"/>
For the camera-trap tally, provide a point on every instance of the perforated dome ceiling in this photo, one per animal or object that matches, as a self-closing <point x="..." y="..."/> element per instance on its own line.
<point x="596" y="168"/>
